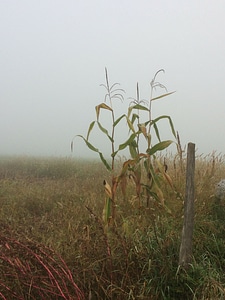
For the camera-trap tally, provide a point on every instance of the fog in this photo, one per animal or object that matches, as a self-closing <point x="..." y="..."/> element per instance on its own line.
<point x="53" y="56"/>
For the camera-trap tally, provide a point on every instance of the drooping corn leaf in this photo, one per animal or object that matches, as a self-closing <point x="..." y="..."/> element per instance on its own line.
<point x="105" y="131"/>
<point x="170" y="122"/>
<point x="92" y="148"/>
<point x="172" y="127"/>
<point x="143" y="129"/>
<point x="127" y="165"/>
<point x="134" y="117"/>
<point x="138" y="107"/>
<point x="103" y="106"/>
<point x="156" y="131"/>
<point x="105" y="162"/>
<point x="130" y="125"/>
<point x="133" y="149"/>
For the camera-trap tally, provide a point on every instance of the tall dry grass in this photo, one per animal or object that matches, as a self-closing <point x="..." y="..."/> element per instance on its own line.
<point x="54" y="244"/>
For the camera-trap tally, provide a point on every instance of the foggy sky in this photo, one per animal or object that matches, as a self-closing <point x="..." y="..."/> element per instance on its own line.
<point x="52" y="59"/>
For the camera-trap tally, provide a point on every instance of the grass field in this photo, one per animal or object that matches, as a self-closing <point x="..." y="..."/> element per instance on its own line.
<point x="54" y="244"/>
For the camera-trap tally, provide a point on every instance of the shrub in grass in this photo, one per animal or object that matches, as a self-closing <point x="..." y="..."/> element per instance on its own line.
<point x="32" y="271"/>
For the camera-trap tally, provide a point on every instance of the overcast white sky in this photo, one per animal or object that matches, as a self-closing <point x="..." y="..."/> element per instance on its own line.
<point x="52" y="59"/>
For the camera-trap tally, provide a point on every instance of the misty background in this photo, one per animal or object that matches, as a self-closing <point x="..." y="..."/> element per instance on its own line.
<point x="52" y="59"/>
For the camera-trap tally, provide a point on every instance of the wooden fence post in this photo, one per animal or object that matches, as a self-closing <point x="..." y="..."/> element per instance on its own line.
<point x="185" y="256"/>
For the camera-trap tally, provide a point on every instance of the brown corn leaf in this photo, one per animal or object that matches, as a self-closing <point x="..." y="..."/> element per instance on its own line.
<point x="108" y="189"/>
<point x="103" y="106"/>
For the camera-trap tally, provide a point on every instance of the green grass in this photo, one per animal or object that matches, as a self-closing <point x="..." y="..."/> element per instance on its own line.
<point x="54" y="244"/>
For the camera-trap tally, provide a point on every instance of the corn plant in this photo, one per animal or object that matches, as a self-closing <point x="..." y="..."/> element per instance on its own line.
<point x="152" y="166"/>
<point x="139" y="161"/>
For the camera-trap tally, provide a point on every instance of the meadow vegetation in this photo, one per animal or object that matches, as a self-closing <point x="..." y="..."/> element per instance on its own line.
<point x="83" y="229"/>
<point x="54" y="244"/>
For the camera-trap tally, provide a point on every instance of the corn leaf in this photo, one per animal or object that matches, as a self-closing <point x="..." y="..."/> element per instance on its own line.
<point x="133" y="150"/>
<point x="130" y="125"/>
<point x="154" y="175"/>
<point x="149" y="139"/>
<point x="114" y="153"/>
<point x="138" y="107"/>
<point x="172" y="127"/>
<point x="106" y="211"/>
<point x="157" y="185"/>
<point x="118" y="120"/>
<point x="150" y="192"/>
<point x="124" y="145"/>
<point x="143" y="129"/>
<point x="103" y="106"/>
<point x="128" y="142"/>
<point x="90" y="146"/>
<point x="90" y="129"/>
<point x="104" y="130"/>
<point x="170" y="122"/>
<point x="104" y="161"/>
<point x="158" y="147"/>
<point x="134" y="117"/>
<point x="161" y="96"/>
<point x="156" y="131"/>
<point x="108" y="189"/>
<point x="128" y="122"/>
<point x="126" y="165"/>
